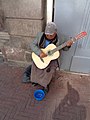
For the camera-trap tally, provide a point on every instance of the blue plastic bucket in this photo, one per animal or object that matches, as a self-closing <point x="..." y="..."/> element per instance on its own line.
<point x="39" y="94"/>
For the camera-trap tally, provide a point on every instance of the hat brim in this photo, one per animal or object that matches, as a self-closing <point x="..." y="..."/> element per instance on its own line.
<point x="49" y="33"/>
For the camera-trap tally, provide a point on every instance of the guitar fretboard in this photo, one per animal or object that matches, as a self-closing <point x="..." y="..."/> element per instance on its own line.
<point x="61" y="46"/>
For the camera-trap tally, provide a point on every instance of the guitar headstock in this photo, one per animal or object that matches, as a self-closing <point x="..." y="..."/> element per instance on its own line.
<point x="81" y="35"/>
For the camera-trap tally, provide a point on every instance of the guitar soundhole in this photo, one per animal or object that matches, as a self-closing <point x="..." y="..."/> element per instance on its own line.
<point x="49" y="53"/>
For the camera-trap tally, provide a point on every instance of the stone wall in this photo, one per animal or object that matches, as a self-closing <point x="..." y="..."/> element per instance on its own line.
<point x="24" y="19"/>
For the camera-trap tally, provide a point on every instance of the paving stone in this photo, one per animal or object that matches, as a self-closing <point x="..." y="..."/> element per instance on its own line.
<point x="68" y="98"/>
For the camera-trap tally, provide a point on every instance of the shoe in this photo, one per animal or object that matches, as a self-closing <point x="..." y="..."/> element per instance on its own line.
<point x="34" y="84"/>
<point x="46" y="89"/>
<point x="26" y="78"/>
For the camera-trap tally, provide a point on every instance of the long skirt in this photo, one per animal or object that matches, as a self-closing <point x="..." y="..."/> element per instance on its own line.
<point x="44" y="76"/>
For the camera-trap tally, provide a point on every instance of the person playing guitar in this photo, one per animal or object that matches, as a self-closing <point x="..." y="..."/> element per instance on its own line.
<point x="34" y="74"/>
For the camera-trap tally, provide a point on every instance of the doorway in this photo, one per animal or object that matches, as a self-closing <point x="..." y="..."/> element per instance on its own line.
<point x="72" y="17"/>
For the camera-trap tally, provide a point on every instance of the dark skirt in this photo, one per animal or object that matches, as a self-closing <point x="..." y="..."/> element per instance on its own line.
<point x="44" y="76"/>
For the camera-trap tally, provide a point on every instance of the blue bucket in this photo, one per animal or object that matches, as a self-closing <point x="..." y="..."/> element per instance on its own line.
<point x="39" y="94"/>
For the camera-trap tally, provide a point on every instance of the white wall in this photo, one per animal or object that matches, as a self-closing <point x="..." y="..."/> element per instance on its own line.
<point x="49" y="10"/>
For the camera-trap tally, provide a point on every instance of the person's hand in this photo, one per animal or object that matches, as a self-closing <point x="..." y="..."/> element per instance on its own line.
<point x="69" y="43"/>
<point x="42" y="55"/>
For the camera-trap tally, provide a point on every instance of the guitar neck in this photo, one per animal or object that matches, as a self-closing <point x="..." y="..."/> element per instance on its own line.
<point x="79" y="36"/>
<point x="62" y="46"/>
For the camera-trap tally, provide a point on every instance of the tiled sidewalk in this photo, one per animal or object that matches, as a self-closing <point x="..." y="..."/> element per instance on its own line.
<point x="63" y="102"/>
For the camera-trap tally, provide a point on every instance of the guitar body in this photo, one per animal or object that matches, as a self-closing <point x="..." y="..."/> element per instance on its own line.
<point x="41" y="64"/>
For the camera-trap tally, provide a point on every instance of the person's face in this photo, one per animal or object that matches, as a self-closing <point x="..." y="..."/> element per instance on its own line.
<point x="50" y="37"/>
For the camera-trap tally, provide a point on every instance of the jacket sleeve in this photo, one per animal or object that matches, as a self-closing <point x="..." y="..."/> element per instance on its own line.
<point x="34" y="45"/>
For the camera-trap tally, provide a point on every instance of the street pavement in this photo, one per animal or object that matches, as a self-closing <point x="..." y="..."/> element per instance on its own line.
<point x="67" y="99"/>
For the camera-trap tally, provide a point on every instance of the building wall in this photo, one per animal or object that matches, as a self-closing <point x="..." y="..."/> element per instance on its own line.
<point x="24" y="19"/>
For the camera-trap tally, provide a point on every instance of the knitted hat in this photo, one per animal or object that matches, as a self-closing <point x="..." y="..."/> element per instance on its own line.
<point x="50" y="28"/>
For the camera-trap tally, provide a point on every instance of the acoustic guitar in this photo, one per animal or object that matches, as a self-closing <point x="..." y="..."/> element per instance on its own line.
<point x="52" y="52"/>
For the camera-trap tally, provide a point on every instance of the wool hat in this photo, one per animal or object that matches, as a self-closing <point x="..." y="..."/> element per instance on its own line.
<point x="50" y="28"/>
